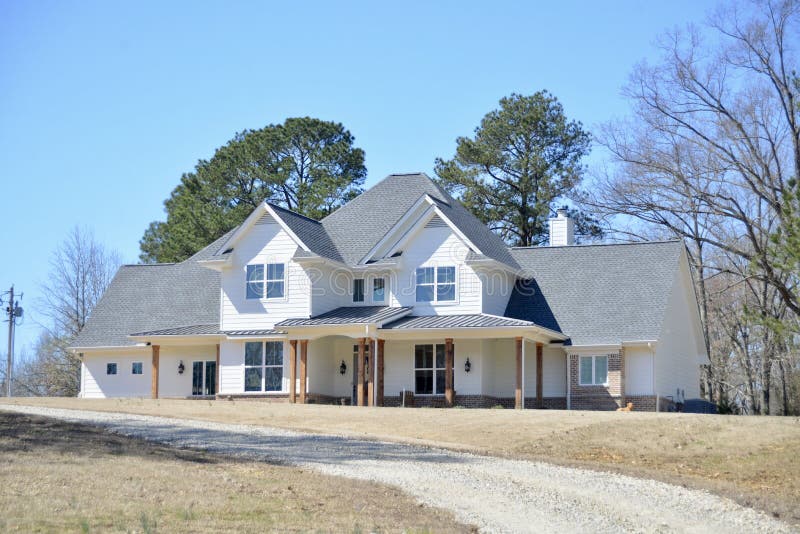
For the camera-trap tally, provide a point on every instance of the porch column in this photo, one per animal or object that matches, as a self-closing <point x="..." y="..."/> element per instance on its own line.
<point x="303" y="369"/>
<point x="518" y="400"/>
<point x="539" y="378"/>
<point x="360" y="386"/>
<point x="371" y="375"/>
<point x="216" y="378"/>
<point x="154" y="380"/>
<point x="449" y="396"/>
<point x="379" y="378"/>
<point x="293" y="371"/>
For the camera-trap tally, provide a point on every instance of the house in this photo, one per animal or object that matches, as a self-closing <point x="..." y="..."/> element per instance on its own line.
<point x="401" y="297"/>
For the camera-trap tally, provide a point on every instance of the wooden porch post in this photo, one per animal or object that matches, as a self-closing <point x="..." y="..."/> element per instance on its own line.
<point x="449" y="396"/>
<point x="216" y="378"/>
<point x="518" y="400"/>
<point x="154" y="379"/>
<point x="379" y="362"/>
<point x="539" y="366"/>
<point x="303" y="369"/>
<point x="360" y="387"/>
<point x="371" y="375"/>
<point x="293" y="371"/>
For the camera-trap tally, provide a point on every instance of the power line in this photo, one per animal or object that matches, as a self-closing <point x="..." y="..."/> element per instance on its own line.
<point x="13" y="311"/>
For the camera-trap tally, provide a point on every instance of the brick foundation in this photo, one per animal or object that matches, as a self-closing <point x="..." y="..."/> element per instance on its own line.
<point x="476" y="401"/>
<point x="311" y="398"/>
<point x="642" y="403"/>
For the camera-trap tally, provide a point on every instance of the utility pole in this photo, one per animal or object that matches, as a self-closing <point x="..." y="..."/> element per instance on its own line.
<point x="13" y="310"/>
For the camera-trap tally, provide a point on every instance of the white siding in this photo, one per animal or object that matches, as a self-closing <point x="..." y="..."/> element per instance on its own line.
<point x="231" y="362"/>
<point x="680" y="349"/>
<point x="97" y="384"/>
<point x="430" y="247"/>
<point x="264" y="243"/>
<point x="496" y="288"/>
<point x="638" y="371"/>
<point x="170" y="382"/>
<point x="503" y="358"/>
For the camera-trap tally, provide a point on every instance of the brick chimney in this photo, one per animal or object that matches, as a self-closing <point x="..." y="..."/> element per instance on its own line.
<point x="562" y="229"/>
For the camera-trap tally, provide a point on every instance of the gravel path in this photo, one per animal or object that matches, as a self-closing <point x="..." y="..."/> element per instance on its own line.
<point x="496" y="494"/>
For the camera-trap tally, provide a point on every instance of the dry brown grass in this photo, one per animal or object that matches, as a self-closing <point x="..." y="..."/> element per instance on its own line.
<point x="62" y="477"/>
<point x="755" y="460"/>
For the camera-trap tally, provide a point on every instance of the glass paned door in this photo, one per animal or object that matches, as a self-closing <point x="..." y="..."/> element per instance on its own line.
<point x="204" y="378"/>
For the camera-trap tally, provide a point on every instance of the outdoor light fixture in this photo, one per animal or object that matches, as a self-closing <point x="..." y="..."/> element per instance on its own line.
<point x="467" y="366"/>
<point x="181" y="368"/>
<point x="342" y="368"/>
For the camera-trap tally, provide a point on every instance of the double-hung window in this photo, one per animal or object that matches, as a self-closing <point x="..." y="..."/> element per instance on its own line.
<point x="358" y="290"/>
<point x="266" y="281"/>
<point x="593" y="370"/>
<point x="263" y="366"/>
<point x="436" y="284"/>
<point x="429" y="369"/>
<point x="378" y="290"/>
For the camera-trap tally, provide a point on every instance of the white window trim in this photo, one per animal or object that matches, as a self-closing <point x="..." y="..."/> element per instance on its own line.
<point x="264" y="281"/>
<point x="434" y="369"/>
<point x="594" y="370"/>
<point x="264" y="368"/>
<point x="436" y="300"/>
<point x="385" y="289"/>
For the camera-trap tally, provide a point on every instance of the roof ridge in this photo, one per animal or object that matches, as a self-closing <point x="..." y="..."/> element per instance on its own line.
<point x="586" y="245"/>
<point x="291" y="211"/>
<point x="149" y="264"/>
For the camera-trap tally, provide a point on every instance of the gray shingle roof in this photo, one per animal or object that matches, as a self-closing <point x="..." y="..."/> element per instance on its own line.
<point x="194" y="330"/>
<point x="481" y="320"/>
<point x="310" y="232"/>
<point x="359" y="225"/>
<point x="350" y="315"/>
<point x="596" y="294"/>
<point x="144" y="298"/>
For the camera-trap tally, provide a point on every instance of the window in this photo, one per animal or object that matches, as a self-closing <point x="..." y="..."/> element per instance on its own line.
<point x="593" y="370"/>
<point x="269" y="277"/>
<point x="263" y="366"/>
<point x="111" y="368"/>
<point x="379" y="290"/>
<point x="358" y="290"/>
<point x="275" y="283"/>
<point x="436" y="284"/>
<point x="445" y="283"/>
<point x="136" y="368"/>
<point x="255" y="281"/>
<point x="429" y="369"/>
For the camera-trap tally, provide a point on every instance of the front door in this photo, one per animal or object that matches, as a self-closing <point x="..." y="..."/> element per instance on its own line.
<point x="354" y="395"/>
<point x="204" y="378"/>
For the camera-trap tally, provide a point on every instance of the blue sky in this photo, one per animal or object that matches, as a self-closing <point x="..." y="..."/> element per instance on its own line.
<point x="104" y="104"/>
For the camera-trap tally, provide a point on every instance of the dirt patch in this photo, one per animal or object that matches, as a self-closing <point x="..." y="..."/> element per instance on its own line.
<point x="59" y="476"/>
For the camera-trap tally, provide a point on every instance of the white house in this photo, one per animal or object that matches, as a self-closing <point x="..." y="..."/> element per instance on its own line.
<point x="401" y="297"/>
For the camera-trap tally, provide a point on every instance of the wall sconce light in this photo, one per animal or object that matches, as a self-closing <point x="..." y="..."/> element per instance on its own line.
<point x="342" y="368"/>
<point x="181" y="368"/>
<point x="467" y="366"/>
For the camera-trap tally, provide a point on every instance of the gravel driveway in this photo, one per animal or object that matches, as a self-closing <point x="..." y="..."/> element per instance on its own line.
<point x="496" y="494"/>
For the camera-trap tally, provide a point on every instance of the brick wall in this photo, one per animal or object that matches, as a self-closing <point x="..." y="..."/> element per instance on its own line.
<point x="609" y="397"/>
<point x="642" y="403"/>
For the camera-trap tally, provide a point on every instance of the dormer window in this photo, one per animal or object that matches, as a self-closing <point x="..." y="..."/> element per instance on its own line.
<point x="436" y="284"/>
<point x="378" y="290"/>
<point x="358" y="290"/>
<point x="266" y="281"/>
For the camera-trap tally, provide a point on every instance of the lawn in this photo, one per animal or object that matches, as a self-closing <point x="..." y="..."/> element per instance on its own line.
<point x="63" y="477"/>
<point x="754" y="460"/>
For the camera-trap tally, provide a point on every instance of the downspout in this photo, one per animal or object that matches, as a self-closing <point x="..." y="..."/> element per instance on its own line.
<point x="653" y="372"/>
<point x="569" y="384"/>
<point x="523" y="373"/>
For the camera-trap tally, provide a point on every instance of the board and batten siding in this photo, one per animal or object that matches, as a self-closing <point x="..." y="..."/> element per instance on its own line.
<point x="638" y="371"/>
<point x="263" y="243"/>
<point x="681" y="348"/>
<point x="171" y="383"/>
<point x="437" y="246"/>
<point x="554" y="371"/>
<point x="96" y="384"/>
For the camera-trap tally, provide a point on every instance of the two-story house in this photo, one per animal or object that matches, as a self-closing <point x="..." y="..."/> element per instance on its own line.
<point x="399" y="297"/>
